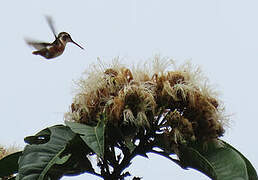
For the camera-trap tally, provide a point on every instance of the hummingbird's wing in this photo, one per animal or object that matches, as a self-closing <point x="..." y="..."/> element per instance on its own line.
<point x="37" y="44"/>
<point x="51" y="25"/>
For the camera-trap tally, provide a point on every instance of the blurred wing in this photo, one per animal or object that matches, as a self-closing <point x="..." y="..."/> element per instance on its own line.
<point x="37" y="45"/>
<point x="51" y="25"/>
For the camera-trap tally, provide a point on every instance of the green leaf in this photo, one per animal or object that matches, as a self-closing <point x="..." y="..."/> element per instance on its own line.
<point x="63" y="159"/>
<point x="252" y="174"/>
<point x="215" y="159"/>
<point x="38" y="157"/>
<point x="189" y="157"/>
<point x="9" y="164"/>
<point x="92" y="136"/>
<point x="129" y="144"/>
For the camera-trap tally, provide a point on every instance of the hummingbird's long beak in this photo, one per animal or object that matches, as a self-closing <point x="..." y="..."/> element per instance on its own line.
<point x="76" y="44"/>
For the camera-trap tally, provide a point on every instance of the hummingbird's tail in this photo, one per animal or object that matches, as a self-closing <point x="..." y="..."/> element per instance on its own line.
<point x="45" y="53"/>
<point x="36" y="52"/>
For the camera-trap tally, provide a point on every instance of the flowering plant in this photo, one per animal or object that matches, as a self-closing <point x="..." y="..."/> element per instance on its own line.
<point x="119" y="113"/>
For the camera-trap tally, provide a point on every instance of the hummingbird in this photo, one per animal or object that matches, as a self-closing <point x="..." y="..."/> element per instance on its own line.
<point x="54" y="49"/>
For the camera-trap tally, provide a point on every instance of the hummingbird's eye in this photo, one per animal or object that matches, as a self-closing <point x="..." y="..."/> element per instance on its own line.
<point x="65" y="38"/>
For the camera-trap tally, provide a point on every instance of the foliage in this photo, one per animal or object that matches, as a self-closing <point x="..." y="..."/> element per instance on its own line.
<point x="67" y="153"/>
<point x="120" y="113"/>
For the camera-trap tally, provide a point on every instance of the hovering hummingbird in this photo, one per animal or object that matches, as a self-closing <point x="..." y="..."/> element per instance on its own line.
<point x="54" y="49"/>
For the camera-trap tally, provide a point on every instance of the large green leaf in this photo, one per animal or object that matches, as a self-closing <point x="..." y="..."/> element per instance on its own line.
<point x="9" y="164"/>
<point x="189" y="157"/>
<point x="252" y="174"/>
<point x="75" y="160"/>
<point x="92" y="136"/>
<point x="217" y="160"/>
<point x="45" y="150"/>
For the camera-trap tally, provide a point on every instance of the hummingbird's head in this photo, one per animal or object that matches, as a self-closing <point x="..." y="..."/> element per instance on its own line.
<point x="64" y="37"/>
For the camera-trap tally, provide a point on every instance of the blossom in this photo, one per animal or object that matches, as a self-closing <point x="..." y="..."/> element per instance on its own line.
<point x="139" y="97"/>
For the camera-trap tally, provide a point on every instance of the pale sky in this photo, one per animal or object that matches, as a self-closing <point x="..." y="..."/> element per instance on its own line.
<point x="219" y="35"/>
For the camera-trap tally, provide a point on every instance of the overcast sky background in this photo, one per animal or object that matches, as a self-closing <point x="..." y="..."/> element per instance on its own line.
<point x="219" y="35"/>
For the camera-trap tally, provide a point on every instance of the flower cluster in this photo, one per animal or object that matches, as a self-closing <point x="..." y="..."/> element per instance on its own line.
<point x="6" y="151"/>
<point x="138" y="97"/>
